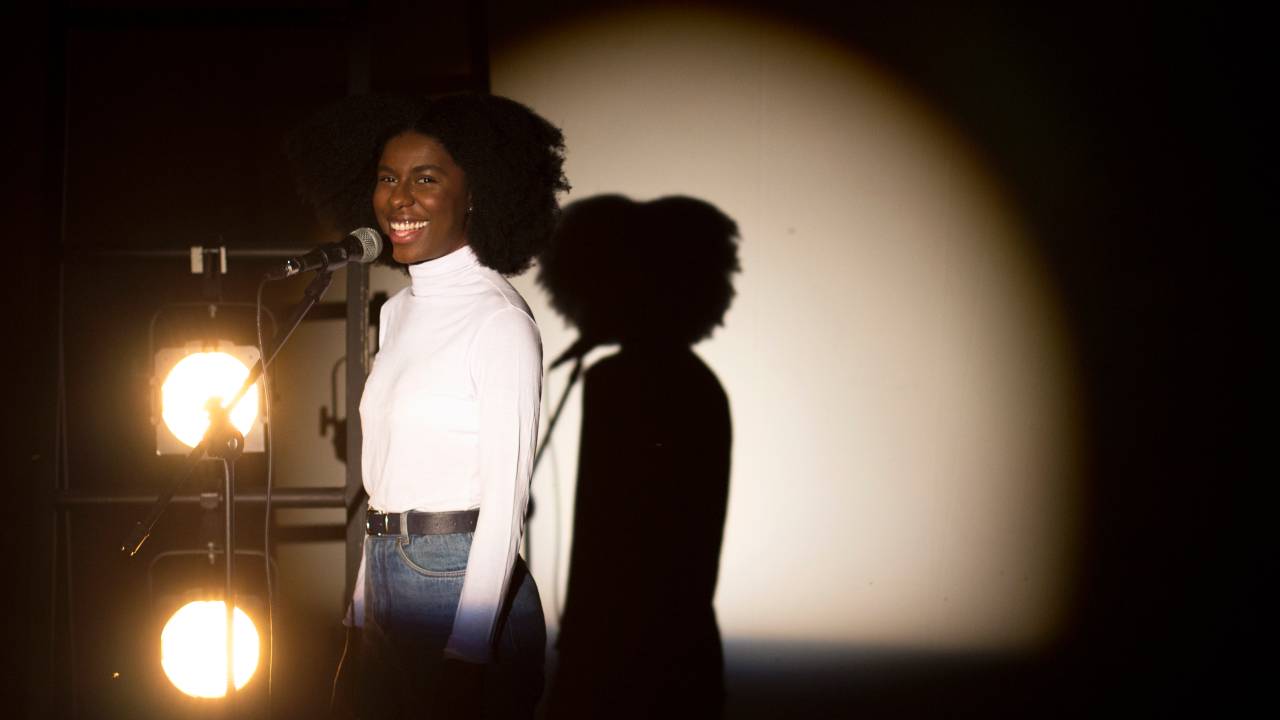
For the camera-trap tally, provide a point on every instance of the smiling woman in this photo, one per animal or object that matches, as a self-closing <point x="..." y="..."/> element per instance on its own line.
<point x="421" y="198"/>
<point x="509" y="160"/>
<point x="465" y="188"/>
<point x="497" y="171"/>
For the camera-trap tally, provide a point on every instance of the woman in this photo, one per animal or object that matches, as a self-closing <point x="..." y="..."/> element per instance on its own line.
<point x="465" y="191"/>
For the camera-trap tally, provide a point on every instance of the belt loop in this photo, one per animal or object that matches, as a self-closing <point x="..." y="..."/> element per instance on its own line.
<point x="404" y="525"/>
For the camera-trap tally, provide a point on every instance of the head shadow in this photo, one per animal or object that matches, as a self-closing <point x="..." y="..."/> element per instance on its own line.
<point x="642" y="274"/>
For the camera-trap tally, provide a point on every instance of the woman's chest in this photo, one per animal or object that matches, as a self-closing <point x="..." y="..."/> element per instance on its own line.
<point x="422" y="376"/>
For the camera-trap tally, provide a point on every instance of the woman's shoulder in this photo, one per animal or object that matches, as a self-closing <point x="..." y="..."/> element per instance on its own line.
<point x="501" y="297"/>
<point x="505" y="325"/>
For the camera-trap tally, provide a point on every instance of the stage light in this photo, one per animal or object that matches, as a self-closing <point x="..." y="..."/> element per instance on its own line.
<point x="193" y="648"/>
<point x="192" y="376"/>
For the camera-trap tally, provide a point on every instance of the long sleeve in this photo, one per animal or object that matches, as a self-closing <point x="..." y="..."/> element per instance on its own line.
<point x="505" y="362"/>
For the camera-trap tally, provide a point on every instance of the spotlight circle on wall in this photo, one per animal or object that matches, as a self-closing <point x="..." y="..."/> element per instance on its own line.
<point x="192" y="382"/>
<point x="895" y="329"/>
<point x="193" y="648"/>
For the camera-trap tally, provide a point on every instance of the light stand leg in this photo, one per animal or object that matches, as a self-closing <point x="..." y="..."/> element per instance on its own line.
<point x="229" y="447"/>
<point x="229" y="554"/>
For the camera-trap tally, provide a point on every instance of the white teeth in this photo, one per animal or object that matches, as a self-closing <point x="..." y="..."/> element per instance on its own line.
<point x="405" y="226"/>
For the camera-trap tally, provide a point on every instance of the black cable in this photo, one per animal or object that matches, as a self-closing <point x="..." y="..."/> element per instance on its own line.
<point x="313" y="293"/>
<point x="59" y="463"/>
<point x="53" y="598"/>
<point x="266" y="530"/>
<point x="62" y="483"/>
<point x="337" y="674"/>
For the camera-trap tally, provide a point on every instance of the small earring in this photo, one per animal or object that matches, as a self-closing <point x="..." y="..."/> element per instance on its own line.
<point x="470" y="209"/>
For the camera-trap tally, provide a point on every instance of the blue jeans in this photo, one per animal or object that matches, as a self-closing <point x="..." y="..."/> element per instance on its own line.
<point x="412" y="585"/>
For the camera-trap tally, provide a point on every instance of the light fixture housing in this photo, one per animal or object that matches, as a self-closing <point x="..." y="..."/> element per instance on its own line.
<point x="186" y="378"/>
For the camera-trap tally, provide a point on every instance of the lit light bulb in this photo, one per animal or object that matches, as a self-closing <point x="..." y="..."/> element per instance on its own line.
<point x="192" y="382"/>
<point x="193" y="649"/>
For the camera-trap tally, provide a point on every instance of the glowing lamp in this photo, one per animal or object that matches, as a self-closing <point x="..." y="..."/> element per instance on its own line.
<point x="188" y="379"/>
<point x="193" y="648"/>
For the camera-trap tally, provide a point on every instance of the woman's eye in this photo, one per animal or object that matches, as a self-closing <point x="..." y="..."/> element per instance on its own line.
<point x="386" y="179"/>
<point x="426" y="179"/>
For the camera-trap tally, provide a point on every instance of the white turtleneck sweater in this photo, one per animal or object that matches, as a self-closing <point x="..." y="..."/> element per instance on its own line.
<point x="450" y="422"/>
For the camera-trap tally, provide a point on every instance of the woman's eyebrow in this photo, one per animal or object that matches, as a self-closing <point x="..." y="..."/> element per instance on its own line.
<point x="424" y="168"/>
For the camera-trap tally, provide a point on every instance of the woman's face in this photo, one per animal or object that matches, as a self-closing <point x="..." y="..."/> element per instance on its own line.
<point x="420" y="198"/>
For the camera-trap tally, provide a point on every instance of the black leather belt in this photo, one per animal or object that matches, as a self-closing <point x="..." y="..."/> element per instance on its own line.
<point x="420" y="523"/>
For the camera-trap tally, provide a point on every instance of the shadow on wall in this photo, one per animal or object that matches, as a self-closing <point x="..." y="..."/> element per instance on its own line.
<point x="653" y="471"/>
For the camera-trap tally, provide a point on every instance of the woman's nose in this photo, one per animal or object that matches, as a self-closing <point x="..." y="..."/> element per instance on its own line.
<point x="401" y="197"/>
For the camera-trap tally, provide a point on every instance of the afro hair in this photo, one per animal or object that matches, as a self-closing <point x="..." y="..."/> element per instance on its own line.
<point x="512" y="157"/>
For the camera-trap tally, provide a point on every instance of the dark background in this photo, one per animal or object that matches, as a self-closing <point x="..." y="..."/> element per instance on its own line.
<point x="1129" y="138"/>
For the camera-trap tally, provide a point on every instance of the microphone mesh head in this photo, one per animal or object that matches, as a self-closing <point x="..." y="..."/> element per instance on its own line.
<point x="370" y="244"/>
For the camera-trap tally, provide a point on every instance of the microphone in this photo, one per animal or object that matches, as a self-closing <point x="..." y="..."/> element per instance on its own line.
<point x="362" y="245"/>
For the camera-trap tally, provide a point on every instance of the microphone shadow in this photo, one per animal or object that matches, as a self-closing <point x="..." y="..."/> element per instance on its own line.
<point x="638" y="637"/>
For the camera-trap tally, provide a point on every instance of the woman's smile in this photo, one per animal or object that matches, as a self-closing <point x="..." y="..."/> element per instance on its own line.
<point x="407" y="231"/>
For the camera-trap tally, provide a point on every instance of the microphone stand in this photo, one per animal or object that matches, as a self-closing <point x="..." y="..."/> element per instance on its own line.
<point x="223" y="441"/>
<point x="551" y="426"/>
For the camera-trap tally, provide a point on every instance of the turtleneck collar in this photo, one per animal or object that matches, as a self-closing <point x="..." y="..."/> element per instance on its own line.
<point x="432" y="276"/>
